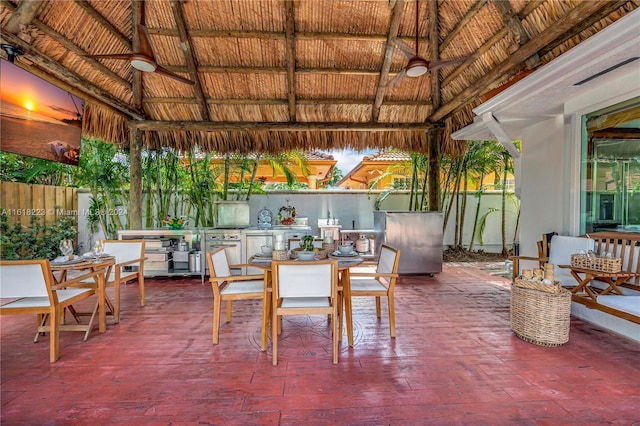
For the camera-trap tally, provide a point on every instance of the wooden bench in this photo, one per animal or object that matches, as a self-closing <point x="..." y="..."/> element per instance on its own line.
<point x="625" y="246"/>
<point x="621" y="245"/>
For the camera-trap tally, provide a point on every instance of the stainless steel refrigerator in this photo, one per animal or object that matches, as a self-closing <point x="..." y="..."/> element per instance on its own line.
<point x="418" y="236"/>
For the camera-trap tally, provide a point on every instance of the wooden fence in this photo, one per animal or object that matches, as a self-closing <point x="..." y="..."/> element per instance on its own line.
<point x="21" y="201"/>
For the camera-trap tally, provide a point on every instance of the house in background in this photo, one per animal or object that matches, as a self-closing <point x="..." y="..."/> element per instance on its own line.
<point x="318" y="173"/>
<point x="375" y="165"/>
<point x="392" y="168"/>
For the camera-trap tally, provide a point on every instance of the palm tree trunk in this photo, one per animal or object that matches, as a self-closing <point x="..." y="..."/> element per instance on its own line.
<point x="414" y="182"/>
<point x="477" y="213"/>
<point x="253" y="176"/>
<point x="225" y="187"/>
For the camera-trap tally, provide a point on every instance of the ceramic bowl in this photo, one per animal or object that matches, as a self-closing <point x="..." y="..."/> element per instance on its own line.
<point x="266" y="250"/>
<point x="306" y="255"/>
<point x="345" y="249"/>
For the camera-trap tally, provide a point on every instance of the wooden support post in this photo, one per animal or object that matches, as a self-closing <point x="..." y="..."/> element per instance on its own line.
<point x="135" y="182"/>
<point x="434" y="136"/>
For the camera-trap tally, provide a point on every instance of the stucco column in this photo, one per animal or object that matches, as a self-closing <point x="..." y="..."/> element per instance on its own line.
<point x="312" y="181"/>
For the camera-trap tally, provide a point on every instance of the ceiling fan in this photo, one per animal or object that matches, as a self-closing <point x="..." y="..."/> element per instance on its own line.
<point x="144" y="60"/>
<point x="417" y="65"/>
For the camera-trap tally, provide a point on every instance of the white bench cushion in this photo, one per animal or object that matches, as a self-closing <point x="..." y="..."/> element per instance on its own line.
<point x="629" y="304"/>
<point x="562" y="247"/>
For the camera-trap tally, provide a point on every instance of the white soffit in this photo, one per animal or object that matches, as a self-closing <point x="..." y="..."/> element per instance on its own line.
<point x="543" y="93"/>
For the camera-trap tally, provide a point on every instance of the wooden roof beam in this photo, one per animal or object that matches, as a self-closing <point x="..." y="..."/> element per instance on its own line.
<point x="106" y="24"/>
<point x="59" y="38"/>
<point x="290" y="47"/>
<point x="587" y="23"/>
<point x="137" y="17"/>
<point x="207" y="69"/>
<point x="185" y="44"/>
<point x="211" y="126"/>
<point x="486" y="46"/>
<point x="434" y="51"/>
<point x="572" y="18"/>
<point x="381" y="89"/>
<point x="515" y="27"/>
<point x="271" y="102"/>
<point x="69" y="77"/>
<point x="272" y="35"/>
<point x="22" y="15"/>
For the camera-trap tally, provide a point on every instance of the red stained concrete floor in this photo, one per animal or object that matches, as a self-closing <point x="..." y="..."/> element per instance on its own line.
<point x="455" y="361"/>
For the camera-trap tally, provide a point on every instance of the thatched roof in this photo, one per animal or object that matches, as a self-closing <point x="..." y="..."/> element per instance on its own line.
<point x="278" y="74"/>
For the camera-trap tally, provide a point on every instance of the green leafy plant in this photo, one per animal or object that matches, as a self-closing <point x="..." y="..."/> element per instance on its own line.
<point x="307" y="243"/>
<point x="37" y="241"/>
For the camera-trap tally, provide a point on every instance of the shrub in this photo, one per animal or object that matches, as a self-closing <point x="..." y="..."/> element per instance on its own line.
<point x="36" y="241"/>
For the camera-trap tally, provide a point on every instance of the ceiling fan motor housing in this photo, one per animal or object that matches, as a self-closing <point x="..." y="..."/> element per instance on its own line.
<point x="417" y="66"/>
<point x="142" y="63"/>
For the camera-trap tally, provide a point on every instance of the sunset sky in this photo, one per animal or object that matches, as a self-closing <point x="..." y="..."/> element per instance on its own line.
<point x="24" y="89"/>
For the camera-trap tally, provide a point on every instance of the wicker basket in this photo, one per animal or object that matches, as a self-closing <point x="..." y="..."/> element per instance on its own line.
<point x="329" y="247"/>
<point x="538" y="285"/>
<point x="540" y="317"/>
<point x="596" y="263"/>
<point x="280" y="255"/>
<point x="320" y="254"/>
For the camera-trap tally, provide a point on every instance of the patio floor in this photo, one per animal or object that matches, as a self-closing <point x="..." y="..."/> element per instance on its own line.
<point x="455" y="361"/>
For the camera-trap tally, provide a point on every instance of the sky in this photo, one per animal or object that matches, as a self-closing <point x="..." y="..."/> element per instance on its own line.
<point x="347" y="159"/>
<point x="24" y="89"/>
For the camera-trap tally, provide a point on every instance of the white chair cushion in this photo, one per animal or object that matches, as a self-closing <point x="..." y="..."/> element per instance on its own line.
<point x="305" y="302"/>
<point x="28" y="302"/>
<point x="240" y="287"/>
<point x="630" y="304"/>
<point x="41" y="302"/>
<point x="562" y="247"/>
<point x="366" y="284"/>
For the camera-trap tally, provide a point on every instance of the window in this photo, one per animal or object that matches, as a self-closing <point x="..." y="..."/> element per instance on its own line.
<point x="400" y="182"/>
<point x="610" y="169"/>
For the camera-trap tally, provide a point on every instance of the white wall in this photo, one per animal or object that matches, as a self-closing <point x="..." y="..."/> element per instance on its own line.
<point x="551" y="155"/>
<point x="542" y="175"/>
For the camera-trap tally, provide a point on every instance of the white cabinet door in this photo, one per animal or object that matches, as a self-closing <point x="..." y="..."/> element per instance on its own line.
<point x="254" y="242"/>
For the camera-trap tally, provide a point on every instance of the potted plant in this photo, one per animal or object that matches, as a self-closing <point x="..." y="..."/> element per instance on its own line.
<point x="308" y="251"/>
<point x="307" y="243"/>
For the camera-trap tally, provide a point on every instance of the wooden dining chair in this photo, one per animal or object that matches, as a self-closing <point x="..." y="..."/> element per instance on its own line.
<point x="304" y="288"/>
<point x="32" y="284"/>
<point x="129" y="266"/>
<point x="228" y="287"/>
<point x="380" y="283"/>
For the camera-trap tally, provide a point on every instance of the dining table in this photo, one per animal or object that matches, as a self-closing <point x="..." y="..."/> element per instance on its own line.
<point x="90" y="266"/>
<point x="344" y="264"/>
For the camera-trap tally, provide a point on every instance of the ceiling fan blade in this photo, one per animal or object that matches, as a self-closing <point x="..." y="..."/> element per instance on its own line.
<point x="436" y="65"/>
<point x="167" y="73"/>
<point x="409" y="51"/>
<point x="126" y="56"/>
<point x="395" y="81"/>
<point x="146" y="48"/>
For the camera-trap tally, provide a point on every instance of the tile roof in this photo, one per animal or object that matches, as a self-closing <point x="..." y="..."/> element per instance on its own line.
<point x="388" y="155"/>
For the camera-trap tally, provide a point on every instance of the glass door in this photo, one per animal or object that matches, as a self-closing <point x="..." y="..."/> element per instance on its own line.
<point x="610" y="184"/>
